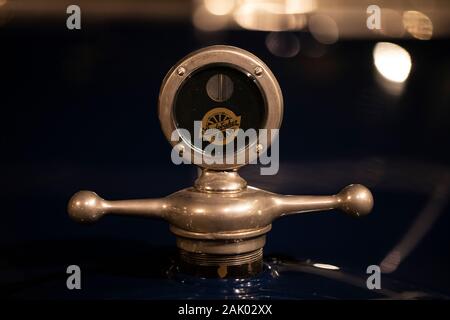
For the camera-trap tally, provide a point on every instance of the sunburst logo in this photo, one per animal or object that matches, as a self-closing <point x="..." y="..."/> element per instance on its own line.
<point x="220" y="126"/>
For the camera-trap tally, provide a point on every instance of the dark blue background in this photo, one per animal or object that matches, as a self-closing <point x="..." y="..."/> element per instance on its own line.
<point x="79" y="111"/>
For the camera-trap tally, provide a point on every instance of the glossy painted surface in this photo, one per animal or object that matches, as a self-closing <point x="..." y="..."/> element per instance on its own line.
<point x="281" y="278"/>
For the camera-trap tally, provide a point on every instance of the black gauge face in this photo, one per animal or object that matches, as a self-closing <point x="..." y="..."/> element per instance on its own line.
<point x="221" y="98"/>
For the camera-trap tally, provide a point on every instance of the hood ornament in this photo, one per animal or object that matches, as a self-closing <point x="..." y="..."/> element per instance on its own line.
<point x="220" y="223"/>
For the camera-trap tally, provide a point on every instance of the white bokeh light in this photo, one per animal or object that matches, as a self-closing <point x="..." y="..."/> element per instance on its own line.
<point x="392" y="61"/>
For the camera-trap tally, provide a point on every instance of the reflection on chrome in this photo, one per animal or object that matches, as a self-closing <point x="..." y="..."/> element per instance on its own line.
<point x="392" y="61"/>
<point x="418" y="25"/>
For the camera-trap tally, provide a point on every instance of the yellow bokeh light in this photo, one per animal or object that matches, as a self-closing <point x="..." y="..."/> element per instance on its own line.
<point x="205" y="21"/>
<point x="287" y="6"/>
<point x="418" y="25"/>
<point x="256" y="15"/>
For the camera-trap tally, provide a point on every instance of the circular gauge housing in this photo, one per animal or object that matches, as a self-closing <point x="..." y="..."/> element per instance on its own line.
<point x="213" y="95"/>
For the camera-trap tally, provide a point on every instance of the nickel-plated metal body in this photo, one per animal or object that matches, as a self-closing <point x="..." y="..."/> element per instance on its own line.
<point x="221" y="221"/>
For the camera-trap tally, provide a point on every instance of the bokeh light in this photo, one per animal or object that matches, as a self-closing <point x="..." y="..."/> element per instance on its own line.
<point x="391" y="23"/>
<point x="418" y="25"/>
<point x="392" y="61"/>
<point x="323" y="28"/>
<point x="219" y="7"/>
<point x="205" y="21"/>
<point x="261" y="15"/>
<point x="283" y="44"/>
<point x="287" y="6"/>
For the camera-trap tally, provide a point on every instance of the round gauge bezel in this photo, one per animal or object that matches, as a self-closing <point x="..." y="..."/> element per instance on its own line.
<point x="228" y="56"/>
